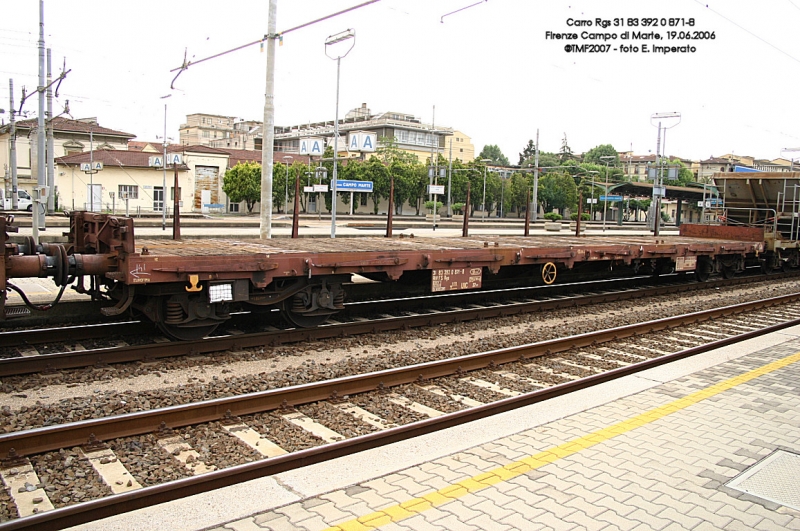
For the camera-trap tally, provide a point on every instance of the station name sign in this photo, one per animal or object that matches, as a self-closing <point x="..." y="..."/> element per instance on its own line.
<point x="344" y="185"/>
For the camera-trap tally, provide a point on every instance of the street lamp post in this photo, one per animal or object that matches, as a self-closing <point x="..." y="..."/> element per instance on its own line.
<point x="607" y="159"/>
<point x="331" y="40"/>
<point x="286" y="199"/>
<point x="483" y="207"/>
<point x="657" y="181"/>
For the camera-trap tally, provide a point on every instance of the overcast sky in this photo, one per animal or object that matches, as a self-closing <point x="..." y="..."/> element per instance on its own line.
<point x="489" y="69"/>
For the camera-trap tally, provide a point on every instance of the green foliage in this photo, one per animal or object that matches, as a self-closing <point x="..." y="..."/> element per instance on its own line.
<point x="493" y="152"/>
<point x="584" y="216"/>
<point x="528" y="152"/>
<point x="557" y="191"/>
<point x="593" y="156"/>
<point x="552" y="216"/>
<point x="685" y="175"/>
<point x="388" y="152"/>
<point x="243" y="183"/>
<point x="517" y="192"/>
<point x="565" y="153"/>
<point x="458" y="208"/>
<point x="429" y="205"/>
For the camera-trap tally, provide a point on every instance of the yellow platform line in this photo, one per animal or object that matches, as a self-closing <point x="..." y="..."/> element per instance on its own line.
<point x="410" y="508"/>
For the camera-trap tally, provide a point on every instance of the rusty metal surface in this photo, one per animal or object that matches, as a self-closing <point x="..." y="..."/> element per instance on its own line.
<point x="234" y="246"/>
<point x="262" y="261"/>
<point x="725" y="232"/>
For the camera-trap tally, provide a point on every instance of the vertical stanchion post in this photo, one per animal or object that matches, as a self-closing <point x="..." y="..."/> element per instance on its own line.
<point x="176" y="207"/>
<point x="296" y="213"/>
<point x="580" y="213"/>
<point x="391" y="209"/>
<point x="465" y="228"/>
<point x="528" y="215"/>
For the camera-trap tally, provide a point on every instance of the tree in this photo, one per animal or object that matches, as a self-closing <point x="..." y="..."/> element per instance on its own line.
<point x="377" y="172"/>
<point x="529" y="152"/>
<point x="243" y="183"/>
<point x="685" y="175"/>
<point x="493" y="152"/>
<point x="557" y="190"/>
<point x="594" y="155"/>
<point x="565" y="153"/>
<point x="517" y="192"/>
<point x="388" y="152"/>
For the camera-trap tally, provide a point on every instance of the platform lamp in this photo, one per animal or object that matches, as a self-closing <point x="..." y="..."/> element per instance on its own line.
<point x="483" y="208"/>
<point x="606" y="159"/>
<point x="286" y="200"/>
<point x="345" y="35"/>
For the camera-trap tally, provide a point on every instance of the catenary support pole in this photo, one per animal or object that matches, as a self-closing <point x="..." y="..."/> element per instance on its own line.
<point x="51" y="180"/>
<point x="13" y="154"/>
<point x="268" y="145"/>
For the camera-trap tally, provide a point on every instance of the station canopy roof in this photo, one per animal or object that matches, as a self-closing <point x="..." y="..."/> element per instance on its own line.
<point x="644" y="189"/>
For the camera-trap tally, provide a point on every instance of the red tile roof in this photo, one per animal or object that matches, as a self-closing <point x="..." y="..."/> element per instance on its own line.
<point x="74" y="126"/>
<point x="111" y="157"/>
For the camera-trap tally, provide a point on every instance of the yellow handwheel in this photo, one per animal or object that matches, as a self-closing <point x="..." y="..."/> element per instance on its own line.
<point x="549" y="273"/>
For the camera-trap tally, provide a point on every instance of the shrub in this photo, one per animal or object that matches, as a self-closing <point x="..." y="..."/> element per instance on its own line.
<point x="574" y="216"/>
<point x="429" y="205"/>
<point x="458" y="208"/>
<point x="552" y="216"/>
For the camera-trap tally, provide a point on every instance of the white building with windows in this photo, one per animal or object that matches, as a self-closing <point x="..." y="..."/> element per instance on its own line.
<point x="69" y="137"/>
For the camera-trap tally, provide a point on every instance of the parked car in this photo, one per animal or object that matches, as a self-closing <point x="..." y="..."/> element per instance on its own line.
<point x="24" y="201"/>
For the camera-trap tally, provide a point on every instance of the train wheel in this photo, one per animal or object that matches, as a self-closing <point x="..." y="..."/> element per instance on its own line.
<point x="187" y="333"/>
<point x="728" y="271"/>
<point x="549" y="273"/>
<point x="302" y="320"/>
<point x="703" y="269"/>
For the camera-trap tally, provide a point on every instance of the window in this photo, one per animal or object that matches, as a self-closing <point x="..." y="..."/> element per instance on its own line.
<point x="233" y="207"/>
<point x="364" y="199"/>
<point x="205" y="134"/>
<point x="128" y="191"/>
<point x="172" y="193"/>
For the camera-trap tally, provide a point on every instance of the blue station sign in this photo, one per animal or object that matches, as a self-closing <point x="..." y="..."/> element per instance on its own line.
<point x="343" y="185"/>
<point x="610" y="198"/>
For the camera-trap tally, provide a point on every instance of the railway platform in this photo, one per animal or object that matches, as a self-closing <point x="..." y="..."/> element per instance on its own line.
<point x="709" y="442"/>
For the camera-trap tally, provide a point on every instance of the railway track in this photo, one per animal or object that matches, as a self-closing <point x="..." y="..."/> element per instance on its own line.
<point x="211" y="444"/>
<point x="50" y="350"/>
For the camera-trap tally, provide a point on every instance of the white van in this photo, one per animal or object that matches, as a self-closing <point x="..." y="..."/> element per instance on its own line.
<point x="24" y="201"/>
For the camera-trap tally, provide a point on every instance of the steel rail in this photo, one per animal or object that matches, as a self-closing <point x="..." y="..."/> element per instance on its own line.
<point x="148" y="496"/>
<point x="101" y="357"/>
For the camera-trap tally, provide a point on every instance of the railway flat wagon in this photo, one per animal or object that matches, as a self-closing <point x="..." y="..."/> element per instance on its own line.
<point x="190" y="287"/>
<point x="766" y="201"/>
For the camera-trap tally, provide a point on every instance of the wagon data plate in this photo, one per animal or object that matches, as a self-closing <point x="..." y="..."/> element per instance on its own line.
<point x="456" y="279"/>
